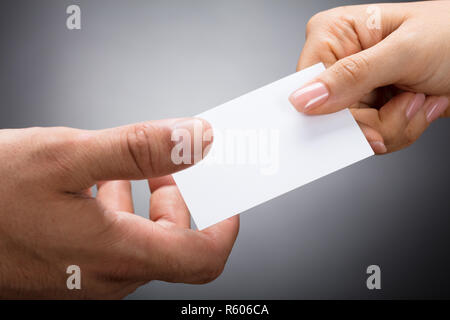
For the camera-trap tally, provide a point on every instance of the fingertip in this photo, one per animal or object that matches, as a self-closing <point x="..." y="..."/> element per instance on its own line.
<point x="416" y="102"/>
<point x="192" y="140"/>
<point x="374" y="138"/>
<point x="292" y="101"/>
<point x="235" y="221"/>
<point x="309" y="97"/>
<point x="436" y="109"/>
<point x="207" y="136"/>
<point x="378" y="147"/>
<point x="228" y="228"/>
<point x="205" y="124"/>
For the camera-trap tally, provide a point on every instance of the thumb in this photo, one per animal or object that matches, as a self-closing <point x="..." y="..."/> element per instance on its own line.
<point x="138" y="151"/>
<point x="349" y="79"/>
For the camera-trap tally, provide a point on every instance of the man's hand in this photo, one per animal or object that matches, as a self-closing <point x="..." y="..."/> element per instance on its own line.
<point x="50" y="220"/>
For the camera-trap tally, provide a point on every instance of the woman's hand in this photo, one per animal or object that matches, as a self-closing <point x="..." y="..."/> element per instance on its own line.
<point x="49" y="219"/>
<point x="390" y="63"/>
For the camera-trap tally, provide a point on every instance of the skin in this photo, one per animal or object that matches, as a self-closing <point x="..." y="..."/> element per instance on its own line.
<point x="50" y="220"/>
<point x="376" y="71"/>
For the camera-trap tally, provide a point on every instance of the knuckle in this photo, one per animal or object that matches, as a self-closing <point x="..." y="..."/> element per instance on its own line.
<point x="411" y="135"/>
<point x="118" y="272"/>
<point x="390" y="135"/>
<point x="53" y="147"/>
<point x="114" y="279"/>
<point x="56" y="140"/>
<point x="117" y="265"/>
<point x="313" y="22"/>
<point x="353" y="68"/>
<point x="136" y="144"/>
<point x="320" y="19"/>
<point x="47" y="154"/>
<point x="215" y="265"/>
<point x="211" y="272"/>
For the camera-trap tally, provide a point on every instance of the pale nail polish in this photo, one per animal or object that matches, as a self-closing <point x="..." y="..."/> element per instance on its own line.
<point x="435" y="110"/>
<point x="415" y="105"/>
<point x="309" y="97"/>
<point x="378" y="146"/>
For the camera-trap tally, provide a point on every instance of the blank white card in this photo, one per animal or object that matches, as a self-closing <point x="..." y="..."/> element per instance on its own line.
<point x="264" y="148"/>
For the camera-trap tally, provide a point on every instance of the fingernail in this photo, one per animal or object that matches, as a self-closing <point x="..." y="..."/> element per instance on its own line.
<point x="415" y="105"/>
<point x="435" y="110"/>
<point x="378" y="146"/>
<point x="194" y="135"/>
<point x="309" y="97"/>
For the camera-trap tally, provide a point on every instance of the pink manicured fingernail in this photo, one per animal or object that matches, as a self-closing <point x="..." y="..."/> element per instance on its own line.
<point x="309" y="97"/>
<point x="378" y="146"/>
<point x="435" y="110"/>
<point x="415" y="105"/>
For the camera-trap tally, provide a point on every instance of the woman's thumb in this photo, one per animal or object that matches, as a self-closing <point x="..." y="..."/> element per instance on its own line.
<point x="349" y="79"/>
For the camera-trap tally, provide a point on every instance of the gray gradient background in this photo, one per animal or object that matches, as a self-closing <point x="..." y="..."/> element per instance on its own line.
<point x="141" y="60"/>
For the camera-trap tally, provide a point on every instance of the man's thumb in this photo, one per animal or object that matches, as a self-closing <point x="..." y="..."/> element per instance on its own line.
<point x="349" y="79"/>
<point x="140" y="151"/>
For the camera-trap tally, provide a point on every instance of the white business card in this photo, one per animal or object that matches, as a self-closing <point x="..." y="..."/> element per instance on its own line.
<point x="264" y="148"/>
